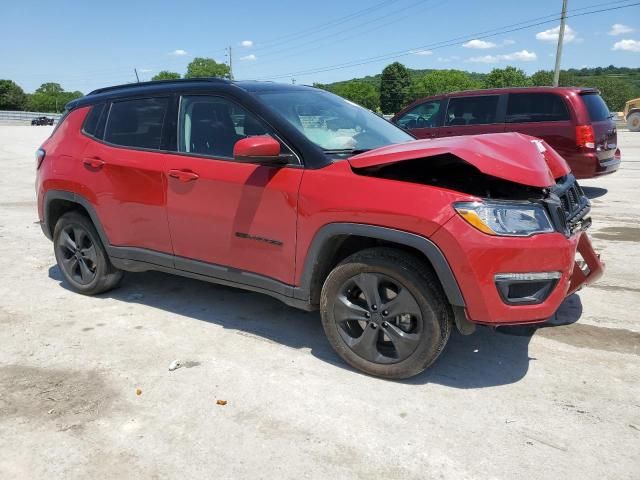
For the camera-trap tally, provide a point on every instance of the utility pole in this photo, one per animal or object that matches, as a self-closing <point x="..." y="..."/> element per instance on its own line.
<point x="293" y="81"/>
<point x="136" y="72"/>
<point x="563" y="17"/>
<point x="229" y="54"/>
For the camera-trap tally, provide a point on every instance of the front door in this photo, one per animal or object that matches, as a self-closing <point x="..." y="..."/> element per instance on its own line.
<point x="229" y="218"/>
<point x="423" y="120"/>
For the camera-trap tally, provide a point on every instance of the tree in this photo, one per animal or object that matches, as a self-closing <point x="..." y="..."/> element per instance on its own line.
<point x="395" y="84"/>
<point x="361" y="93"/>
<point x="166" y="75"/>
<point x="544" y="78"/>
<point x="50" y="88"/>
<point x="507" y="77"/>
<point x="442" y="81"/>
<point x="614" y="91"/>
<point x="207" y="67"/>
<point x="12" y="97"/>
<point x="50" y="97"/>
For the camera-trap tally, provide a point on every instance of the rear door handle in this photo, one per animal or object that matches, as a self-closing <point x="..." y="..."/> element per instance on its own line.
<point x="93" y="162"/>
<point x="184" y="175"/>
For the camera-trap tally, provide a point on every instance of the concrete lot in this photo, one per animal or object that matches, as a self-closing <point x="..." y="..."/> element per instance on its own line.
<point x="559" y="402"/>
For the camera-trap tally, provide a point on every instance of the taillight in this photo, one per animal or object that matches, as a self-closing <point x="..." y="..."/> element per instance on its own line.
<point x="40" y="153"/>
<point x="585" y="136"/>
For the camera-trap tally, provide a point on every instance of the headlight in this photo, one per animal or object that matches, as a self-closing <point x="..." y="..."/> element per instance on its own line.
<point x="508" y="219"/>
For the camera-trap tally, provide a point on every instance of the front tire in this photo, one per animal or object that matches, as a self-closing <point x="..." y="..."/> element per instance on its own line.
<point x="81" y="257"/>
<point x="384" y="313"/>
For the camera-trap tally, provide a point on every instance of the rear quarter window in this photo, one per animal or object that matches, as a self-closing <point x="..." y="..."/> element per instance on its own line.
<point x="597" y="108"/>
<point x="93" y="119"/>
<point x="536" y="107"/>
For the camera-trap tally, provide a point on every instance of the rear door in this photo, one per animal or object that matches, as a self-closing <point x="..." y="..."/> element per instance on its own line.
<point x="542" y="115"/>
<point x="474" y="115"/>
<point x="223" y="213"/>
<point x="122" y="170"/>
<point x="423" y="120"/>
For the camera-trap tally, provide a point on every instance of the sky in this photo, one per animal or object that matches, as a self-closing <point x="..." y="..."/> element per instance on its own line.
<point x="85" y="45"/>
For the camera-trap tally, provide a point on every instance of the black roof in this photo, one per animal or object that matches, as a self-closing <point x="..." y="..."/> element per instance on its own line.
<point x="192" y="84"/>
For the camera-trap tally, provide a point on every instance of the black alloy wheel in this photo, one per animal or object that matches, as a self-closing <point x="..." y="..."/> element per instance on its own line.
<point x="78" y="254"/>
<point x="378" y="318"/>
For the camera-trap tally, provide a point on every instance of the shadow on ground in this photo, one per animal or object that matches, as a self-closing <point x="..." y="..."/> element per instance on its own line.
<point x="594" y="192"/>
<point x="487" y="358"/>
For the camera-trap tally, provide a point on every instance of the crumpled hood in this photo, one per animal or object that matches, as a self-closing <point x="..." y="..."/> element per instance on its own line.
<point x="511" y="156"/>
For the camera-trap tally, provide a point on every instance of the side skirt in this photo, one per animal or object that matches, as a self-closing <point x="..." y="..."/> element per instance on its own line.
<point x="141" y="260"/>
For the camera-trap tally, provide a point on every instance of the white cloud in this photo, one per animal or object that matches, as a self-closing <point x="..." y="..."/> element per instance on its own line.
<point x="627" y="45"/>
<point x="508" y="41"/>
<point x="250" y="57"/>
<point x="179" y="53"/>
<point x="246" y="43"/>
<point x="521" y="56"/>
<point x="619" y="29"/>
<point x="551" y="35"/>
<point x="480" y="44"/>
<point x="422" y="52"/>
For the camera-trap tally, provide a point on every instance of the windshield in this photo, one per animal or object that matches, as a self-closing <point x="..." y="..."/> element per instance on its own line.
<point x="333" y="123"/>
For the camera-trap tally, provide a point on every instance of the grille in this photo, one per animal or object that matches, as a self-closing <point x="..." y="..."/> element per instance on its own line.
<point x="575" y="204"/>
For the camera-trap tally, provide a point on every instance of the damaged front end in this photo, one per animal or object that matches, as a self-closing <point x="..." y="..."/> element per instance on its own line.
<point x="513" y="188"/>
<point x="509" y="173"/>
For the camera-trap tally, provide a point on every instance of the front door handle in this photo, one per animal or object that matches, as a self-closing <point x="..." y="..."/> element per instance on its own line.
<point x="184" y="175"/>
<point x="93" y="162"/>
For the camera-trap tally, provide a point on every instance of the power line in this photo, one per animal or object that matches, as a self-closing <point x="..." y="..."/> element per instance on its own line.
<point x="503" y="30"/>
<point x="344" y="19"/>
<point x="350" y="29"/>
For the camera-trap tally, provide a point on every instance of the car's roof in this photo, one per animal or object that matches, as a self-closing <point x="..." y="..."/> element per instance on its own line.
<point x="486" y="91"/>
<point x="185" y="84"/>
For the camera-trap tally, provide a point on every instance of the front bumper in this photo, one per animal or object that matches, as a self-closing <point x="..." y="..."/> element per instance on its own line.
<point x="476" y="258"/>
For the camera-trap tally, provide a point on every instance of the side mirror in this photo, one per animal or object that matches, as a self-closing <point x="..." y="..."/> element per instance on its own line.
<point x="261" y="149"/>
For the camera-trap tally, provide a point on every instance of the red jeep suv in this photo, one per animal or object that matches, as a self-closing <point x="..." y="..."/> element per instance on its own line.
<point x="574" y="121"/>
<point x="297" y="193"/>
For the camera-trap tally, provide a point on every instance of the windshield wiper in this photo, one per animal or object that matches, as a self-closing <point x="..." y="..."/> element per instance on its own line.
<point x="347" y="151"/>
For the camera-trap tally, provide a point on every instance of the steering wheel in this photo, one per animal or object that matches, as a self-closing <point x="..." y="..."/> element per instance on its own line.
<point x="422" y="122"/>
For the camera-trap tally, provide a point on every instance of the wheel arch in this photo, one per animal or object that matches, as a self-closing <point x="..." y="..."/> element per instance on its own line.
<point x="59" y="202"/>
<point x="331" y="245"/>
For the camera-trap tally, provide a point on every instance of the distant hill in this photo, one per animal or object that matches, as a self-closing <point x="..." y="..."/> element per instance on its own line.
<point x="582" y="75"/>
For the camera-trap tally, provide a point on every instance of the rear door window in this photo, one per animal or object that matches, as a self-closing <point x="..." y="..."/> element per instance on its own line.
<point x="535" y="107"/>
<point x="425" y="115"/>
<point x="479" y="110"/>
<point x="598" y="110"/>
<point x="137" y="123"/>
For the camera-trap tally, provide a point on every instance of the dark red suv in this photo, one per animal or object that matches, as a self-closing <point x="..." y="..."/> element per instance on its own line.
<point x="574" y="121"/>
<point x="294" y="192"/>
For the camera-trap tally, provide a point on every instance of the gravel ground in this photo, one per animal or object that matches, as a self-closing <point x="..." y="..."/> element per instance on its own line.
<point x="556" y="402"/>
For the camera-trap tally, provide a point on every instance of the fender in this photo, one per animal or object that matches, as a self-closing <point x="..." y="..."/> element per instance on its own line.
<point x="73" y="198"/>
<point x="422" y="244"/>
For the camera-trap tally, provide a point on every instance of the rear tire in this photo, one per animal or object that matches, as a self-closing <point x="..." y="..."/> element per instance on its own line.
<point x="384" y="313"/>
<point x="633" y="122"/>
<point x="81" y="257"/>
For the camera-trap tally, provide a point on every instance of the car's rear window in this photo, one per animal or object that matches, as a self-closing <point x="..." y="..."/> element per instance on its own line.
<point x="596" y="107"/>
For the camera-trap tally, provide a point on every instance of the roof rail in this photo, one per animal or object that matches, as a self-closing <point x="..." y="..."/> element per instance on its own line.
<point x="157" y="82"/>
